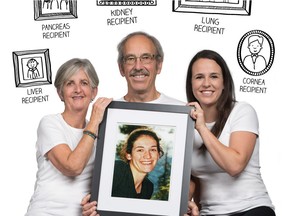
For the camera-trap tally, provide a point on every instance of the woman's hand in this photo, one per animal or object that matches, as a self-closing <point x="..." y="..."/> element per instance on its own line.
<point x="197" y="114"/>
<point x="97" y="113"/>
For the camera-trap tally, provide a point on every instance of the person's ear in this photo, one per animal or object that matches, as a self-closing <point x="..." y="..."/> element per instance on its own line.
<point x="120" y="66"/>
<point x="94" y="92"/>
<point x="60" y="94"/>
<point x="159" y="67"/>
<point x="128" y="156"/>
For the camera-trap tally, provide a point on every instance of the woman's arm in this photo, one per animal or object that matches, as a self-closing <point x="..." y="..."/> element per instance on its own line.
<point x="72" y="163"/>
<point x="233" y="158"/>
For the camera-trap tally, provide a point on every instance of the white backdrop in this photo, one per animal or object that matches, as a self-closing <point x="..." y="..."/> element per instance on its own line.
<point x="91" y="37"/>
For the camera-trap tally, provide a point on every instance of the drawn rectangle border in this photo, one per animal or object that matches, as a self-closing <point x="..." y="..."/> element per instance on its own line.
<point x="17" y="54"/>
<point x="243" y="7"/>
<point x="126" y="2"/>
<point x="38" y="15"/>
<point x="186" y="147"/>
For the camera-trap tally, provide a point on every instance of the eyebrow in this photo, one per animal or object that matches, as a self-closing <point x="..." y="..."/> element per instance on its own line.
<point x="154" y="146"/>
<point x="131" y="54"/>
<point x="201" y="73"/>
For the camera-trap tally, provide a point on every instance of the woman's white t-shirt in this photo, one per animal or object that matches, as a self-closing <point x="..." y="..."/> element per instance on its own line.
<point x="221" y="193"/>
<point x="55" y="193"/>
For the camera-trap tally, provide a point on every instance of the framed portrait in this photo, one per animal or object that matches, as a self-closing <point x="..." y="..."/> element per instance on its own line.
<point x="55" y="9"/>
<point x="32" y="67"/>
<point x="150" y="144"/>
<point x="265" y="51"/>
<point x="230" y="7"/>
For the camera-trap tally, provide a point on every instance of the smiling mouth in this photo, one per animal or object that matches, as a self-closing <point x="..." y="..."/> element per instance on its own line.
<point x="77" y="97"/>
<point x="146" y="162"/>
<point x="207" y="92"/>
<point x="139" y="76"/>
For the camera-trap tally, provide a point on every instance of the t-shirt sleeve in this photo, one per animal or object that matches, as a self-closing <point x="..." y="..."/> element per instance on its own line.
<point x="244" y="118"/>
<point x="49" y="134"/>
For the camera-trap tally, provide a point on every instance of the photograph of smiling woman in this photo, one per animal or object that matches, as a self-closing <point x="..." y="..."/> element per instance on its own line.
<point x="136" y="158"/>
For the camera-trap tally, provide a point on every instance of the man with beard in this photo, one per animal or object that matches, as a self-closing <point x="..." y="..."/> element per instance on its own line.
<point x="140" y="59"/>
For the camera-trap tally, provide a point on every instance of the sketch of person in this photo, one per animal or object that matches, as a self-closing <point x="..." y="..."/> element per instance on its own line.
<point x="66" y="4"/>
<point x="139" y="156"/>
<point x="255" y="62"/>
<point x="49" y="4"/>
<point x="33" y="72"/>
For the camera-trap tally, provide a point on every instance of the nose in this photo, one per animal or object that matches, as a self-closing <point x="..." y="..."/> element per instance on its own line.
<point x="147" y="154"/>
<point x="206" y="82"/>
<point x="77" y="88"/>
<point x="138" y="64"/>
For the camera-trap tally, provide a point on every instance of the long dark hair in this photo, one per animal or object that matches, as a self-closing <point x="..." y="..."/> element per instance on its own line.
<point x="227" y="99"/>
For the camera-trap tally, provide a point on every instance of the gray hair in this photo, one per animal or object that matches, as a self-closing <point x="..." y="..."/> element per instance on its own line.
<point x="72" y="66"/>
<point x="158" y="47"/>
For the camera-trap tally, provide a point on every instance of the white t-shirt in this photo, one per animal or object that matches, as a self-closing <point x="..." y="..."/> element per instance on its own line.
<point x="163" y="99"/>
<point x="56" y="194"/>
<point x="222" y="194"/>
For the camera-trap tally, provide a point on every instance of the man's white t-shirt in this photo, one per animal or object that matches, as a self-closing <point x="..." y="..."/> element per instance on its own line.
<point x="163" y="99"/>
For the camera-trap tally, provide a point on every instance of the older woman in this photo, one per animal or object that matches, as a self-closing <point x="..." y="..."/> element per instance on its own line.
<point x="66" y="142"/>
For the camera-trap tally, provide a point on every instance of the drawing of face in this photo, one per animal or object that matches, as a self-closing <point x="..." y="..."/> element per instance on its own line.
<point x="255" y="47"/>
<point x="77" y="92"/>
<point x="32" y="63"/>
<point x="144" y="155"/>
<point x="140" y="77"/>
<point x="207" y="81"/>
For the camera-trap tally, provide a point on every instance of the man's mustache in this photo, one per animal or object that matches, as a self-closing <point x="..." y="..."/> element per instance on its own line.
<point x="140" y="72"/>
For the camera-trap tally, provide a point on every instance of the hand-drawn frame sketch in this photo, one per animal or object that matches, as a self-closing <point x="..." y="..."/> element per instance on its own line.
<point x="19" y="57"/>
<point x="269" y="52"/>
<point x="39" y="15"/>
<point x="126" y="2"/>
<point x="143" y="114"/>
<point x="240" y="7"/>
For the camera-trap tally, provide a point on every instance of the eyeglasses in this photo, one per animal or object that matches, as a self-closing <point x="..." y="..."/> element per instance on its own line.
<point x="144" y="59"/>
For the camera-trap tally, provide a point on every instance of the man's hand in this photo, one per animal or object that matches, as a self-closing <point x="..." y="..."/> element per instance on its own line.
<point x="192" y="209"/>
<point x="89" y="208"/>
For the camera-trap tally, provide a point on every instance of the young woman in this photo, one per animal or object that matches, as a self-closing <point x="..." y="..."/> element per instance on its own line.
<point x="139" y="156"/>
<point x="225" y="161"/>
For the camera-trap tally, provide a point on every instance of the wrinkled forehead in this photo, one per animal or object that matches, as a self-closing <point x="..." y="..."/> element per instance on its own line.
<point x="138" y="45"/>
